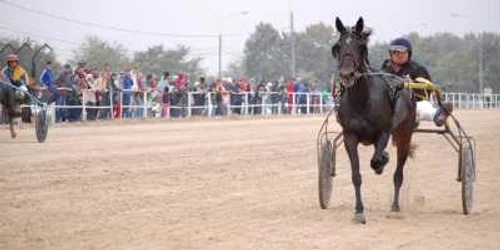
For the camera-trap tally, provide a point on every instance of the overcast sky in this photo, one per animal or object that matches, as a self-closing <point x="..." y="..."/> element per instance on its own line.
<point x="200" y="18"/>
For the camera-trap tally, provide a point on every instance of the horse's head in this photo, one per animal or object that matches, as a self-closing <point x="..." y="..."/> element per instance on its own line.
<point x="351" y="51"/>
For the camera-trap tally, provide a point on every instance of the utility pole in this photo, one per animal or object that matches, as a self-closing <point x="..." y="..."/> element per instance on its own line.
<point x="220" y="56"/>
<point x="292" y="70"/>
<point x="480" y="73"/>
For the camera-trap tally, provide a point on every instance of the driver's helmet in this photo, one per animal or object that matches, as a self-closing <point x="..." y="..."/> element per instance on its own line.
<point x="402" y="43"/>
<point x="12" y="58"/>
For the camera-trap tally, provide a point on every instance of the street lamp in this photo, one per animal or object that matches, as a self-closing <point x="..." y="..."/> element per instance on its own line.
<point x="242" y="13"/>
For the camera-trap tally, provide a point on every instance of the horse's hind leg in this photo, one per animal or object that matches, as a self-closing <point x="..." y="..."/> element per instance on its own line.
<point x="13" y="129"/>
<point x="403" y="124"/>
<point x="14" y="126"/>
<point x="351" y="146"/>
<point x="403" y="149"/>
<point x="380" y="157"/>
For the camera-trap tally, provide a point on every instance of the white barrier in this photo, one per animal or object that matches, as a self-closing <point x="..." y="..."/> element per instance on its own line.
<point x="472" y="100"/>
<point x="148" y="104"/>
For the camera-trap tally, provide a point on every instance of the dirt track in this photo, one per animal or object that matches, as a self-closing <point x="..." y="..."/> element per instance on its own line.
<point x="248" y="184"/>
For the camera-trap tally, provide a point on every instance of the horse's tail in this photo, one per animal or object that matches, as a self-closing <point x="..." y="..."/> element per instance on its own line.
<point x="403" y="122"/>
<point x="401" y="140"/>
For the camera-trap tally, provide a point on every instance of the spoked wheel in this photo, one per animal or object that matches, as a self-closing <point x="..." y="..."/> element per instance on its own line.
<point x="41" y="124"/>
<point x="467" y="175"/>
<point x="326" y="173"/>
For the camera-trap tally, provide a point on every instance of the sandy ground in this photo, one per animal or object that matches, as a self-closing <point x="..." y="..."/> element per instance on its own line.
<point x="245" y="184"/>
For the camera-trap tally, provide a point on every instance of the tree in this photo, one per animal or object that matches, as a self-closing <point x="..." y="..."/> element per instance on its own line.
<point x="490" y="44"/>
<point x="268" y="53"/>
<point x="98" y="52"/>
<point x="264" y="58"/>
<point x="314" y="55"/>
<point x="158" y="60"/>
<point x="236" y="69"/>
<point x="452" y="61"/>
<point x="377" y="53"/>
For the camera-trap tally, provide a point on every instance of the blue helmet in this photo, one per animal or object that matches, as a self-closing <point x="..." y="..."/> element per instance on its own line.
<point x="402" y="43"/>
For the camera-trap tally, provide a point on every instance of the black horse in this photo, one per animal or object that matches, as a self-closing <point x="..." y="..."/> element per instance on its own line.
<point x="370" y="112"/>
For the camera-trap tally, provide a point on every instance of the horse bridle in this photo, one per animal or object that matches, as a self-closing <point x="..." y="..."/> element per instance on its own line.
<point x="357" y="74"/>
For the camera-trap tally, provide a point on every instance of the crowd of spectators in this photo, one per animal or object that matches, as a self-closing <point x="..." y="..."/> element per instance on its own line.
<point x="90" y="93"/>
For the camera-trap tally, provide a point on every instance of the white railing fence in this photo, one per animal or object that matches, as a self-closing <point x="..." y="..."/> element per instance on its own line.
<point x="151" y="104"/>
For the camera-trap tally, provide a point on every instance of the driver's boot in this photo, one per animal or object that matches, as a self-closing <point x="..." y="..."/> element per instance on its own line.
<point x="442" y="113"/>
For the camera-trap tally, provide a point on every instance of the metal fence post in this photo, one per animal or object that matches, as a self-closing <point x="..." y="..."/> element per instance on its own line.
<point x="111" y="102"/>
<point x="308" y="101"/>
<point x="280" y="105"/>
<point x="145" y="104"/>
<point x="294" y="103"/>
<point x="209" y="98"/>
<point x="246" y="103"/>
<point x="321" y="103"/>
<point x="189" y="103"/>
<point x="84" y="109"/>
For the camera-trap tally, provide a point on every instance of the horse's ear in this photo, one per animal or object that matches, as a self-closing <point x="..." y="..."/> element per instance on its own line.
<point x="340" y="26"/>
<point x="359" y="25"/>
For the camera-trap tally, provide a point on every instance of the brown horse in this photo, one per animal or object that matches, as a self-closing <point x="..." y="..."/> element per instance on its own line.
<point x="370" y="111"/>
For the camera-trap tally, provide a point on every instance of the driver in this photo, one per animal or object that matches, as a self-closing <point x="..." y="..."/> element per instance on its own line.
<point x="16" y="75"/>
<point x="400" y="63"/>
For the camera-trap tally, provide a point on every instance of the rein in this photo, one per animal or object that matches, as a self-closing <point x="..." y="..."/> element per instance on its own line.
<point x="402" y="83"/>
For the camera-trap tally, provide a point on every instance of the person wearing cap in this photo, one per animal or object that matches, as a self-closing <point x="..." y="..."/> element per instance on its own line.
<point x="401" y="64"/>
<point x="164" y="89"/>
<point x="15" y="73"/>
<point x="126" y="86"/>
<point x="65" y="81"/>
<point x="199" y="96"/>
<point x="17" y="76"/>
<point x="47" y="79"/>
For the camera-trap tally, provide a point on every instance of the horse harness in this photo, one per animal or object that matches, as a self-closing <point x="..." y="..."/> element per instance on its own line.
<point x="395" y="88"/>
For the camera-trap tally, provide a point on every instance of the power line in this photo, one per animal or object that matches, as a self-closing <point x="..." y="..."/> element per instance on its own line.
<point x="195" y="52"/>
<point x="101" y="26"/>
<point x="40" y="36"/>
<point x="200" y="50"/>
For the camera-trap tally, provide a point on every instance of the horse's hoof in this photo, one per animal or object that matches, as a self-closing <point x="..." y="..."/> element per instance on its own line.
<point x="359" y="218"/>
<point x="379" y="161"/>
<point x="395" y="208"/>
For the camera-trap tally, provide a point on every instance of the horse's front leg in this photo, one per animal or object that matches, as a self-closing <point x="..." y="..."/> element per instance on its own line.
<point x="351" y="145"/>
<point x="380" y="156"/>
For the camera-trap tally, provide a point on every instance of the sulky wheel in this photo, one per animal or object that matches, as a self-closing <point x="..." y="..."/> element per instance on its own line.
<point x="467" y="174"/>
<point x="41" y="124"/>
<point x="326" y="172"/>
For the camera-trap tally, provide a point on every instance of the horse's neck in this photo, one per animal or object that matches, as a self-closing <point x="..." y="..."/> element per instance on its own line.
<point x="358" y="94"/>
